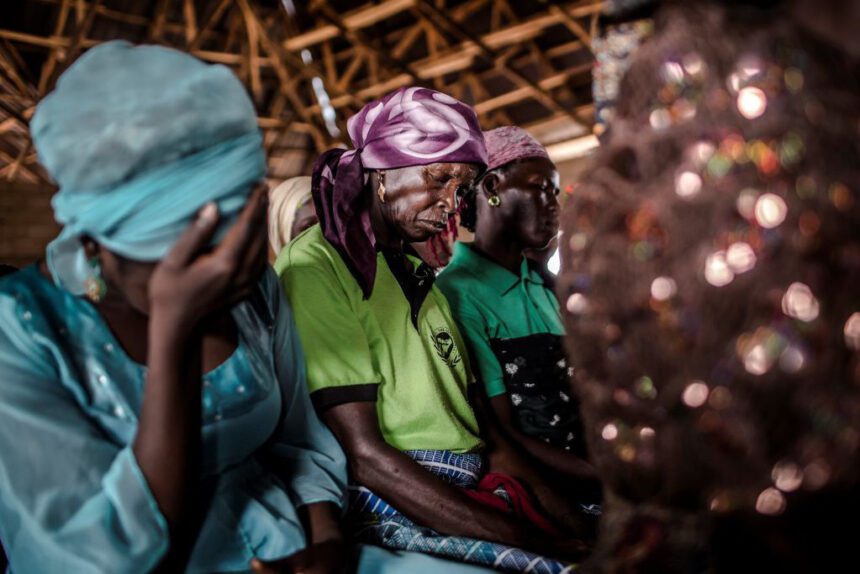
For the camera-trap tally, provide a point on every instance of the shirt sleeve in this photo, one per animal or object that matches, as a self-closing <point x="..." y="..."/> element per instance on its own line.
<point x="70" y="500"/>
<point x="339" y="363"/>
<point x="309" y="458"/>
<point x="474" y="329"/>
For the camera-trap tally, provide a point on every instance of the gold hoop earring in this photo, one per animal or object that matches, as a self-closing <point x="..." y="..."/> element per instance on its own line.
<point x="94" y="285"/>
<point x="494" y="201"/>
<point x="380" y="190"/>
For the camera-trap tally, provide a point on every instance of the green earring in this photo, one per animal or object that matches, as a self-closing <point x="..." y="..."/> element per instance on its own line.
<point x="94" y="286"/>
<point x="494" y="201"/>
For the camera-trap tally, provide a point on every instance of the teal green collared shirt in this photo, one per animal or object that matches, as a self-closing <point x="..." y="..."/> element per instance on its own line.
<point x="489" y="302"/>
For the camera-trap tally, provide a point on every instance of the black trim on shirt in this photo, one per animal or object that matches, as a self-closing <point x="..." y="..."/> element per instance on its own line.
<point x="328" y="397"/>
<point x="415" y="283"/>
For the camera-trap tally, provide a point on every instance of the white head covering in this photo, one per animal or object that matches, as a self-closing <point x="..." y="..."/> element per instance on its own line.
<point x="284" y="201"/>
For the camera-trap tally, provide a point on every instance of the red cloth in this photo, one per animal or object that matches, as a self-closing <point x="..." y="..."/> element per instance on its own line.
<point x="521" y="504"/>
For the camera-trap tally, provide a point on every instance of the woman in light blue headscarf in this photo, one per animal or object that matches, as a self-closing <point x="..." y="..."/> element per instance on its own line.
<point x="153" y="407"/>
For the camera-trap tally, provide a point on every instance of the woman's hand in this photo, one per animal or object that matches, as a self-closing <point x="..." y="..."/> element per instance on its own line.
<point x="192" y="282"/>
<point x="329" y="557"/>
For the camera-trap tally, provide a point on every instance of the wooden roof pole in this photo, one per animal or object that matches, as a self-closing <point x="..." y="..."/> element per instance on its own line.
<point x="48" y="67"/>
<point x="361" y="18"/>
<point x="539" y="92"/>
<point x="189" y="14"/>
<point x="370" y="44"/>
<point x="569" y="21"/>
<point x="213" y="18"/>
<point x="461" y="57"/>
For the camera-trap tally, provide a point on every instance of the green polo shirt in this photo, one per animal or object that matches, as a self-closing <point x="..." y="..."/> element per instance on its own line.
<point x="489" y="302"/>
<point x="413" y="365"/>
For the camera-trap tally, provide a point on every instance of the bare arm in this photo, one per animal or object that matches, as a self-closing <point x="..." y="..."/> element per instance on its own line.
<point x="187" y="287"/>
<point x="551" y="492"/>
<point x="563" y="462"/>
<point x="402" y="482"/>
<point x="166" y="446"/>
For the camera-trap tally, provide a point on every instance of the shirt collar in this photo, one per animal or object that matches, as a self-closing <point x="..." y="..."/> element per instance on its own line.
<point x="490" y="272"/>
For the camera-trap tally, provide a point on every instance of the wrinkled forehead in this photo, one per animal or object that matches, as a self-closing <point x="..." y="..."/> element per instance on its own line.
<point x="455" y="169"/>
<point x="451" y="170"/>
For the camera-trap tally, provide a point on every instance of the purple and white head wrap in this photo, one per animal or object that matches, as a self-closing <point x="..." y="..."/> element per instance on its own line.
<point x="510" y="143"/>
<point x="408" y="127"/>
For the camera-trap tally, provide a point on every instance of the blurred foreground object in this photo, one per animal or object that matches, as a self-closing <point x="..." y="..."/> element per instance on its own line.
<point x="711" y="278"/>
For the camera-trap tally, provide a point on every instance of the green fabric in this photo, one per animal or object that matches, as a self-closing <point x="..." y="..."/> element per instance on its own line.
<point x="349" y="341"/>
<point x="489" y="302"/>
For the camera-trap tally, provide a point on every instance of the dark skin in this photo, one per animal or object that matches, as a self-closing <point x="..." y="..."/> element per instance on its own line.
<point x="418" y="201"/>
<point x="526" y="219"/>
<point x="306" y="216"/>
<point x="174" y="317"/>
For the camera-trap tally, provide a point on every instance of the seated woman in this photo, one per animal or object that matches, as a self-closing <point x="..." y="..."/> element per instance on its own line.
<point x="161" y="422"/>
<point x="291" y="211"/>
<point x="509" y="317"/>
<point x="386" y="365"/>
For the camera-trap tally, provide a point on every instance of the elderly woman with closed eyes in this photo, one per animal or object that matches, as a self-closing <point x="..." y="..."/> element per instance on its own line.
<point x="387" y="368"/>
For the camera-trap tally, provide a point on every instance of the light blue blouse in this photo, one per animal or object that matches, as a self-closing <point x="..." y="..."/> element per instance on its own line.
<point x="72" y="497"/>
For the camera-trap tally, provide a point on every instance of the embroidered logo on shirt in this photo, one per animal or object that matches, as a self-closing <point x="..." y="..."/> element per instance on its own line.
<point x="445" y="347"/>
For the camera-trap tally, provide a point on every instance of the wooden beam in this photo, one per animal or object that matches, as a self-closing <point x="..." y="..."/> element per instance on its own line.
<point x="433" y="39"/>
<point x="282" y="60"/>
<point x="328" y="31"/>
<point x="376" y="90"/>
<point x="37" y="40"/>
<point x="520" y="94"/>
<point x="481" y="94"/>
<point x="7" y="125"/>
<point x="543" y="95"/>
<point x="159" y="17"/>
<point x="213" y="18"/>
<point x="563" y="49"/>
<point x="18" y="64"/>
<point x="363" y="17"/>
<point x="463" y="56"/>
<point x="407" y="40"/>
<point x="54" y="42"/>
<point x="272" y="123"/>
<point x="569" y="21"/>
<point x="351" y="70"/>
<point x="10" y="70"/>
<point x="76" y="44"/>
<point x="277" y="52"/>
<point x="540" y="56"/>
<point x="51" y="61"/>
<point x="328" y="63"/>
<point x="372" y="45"/>
<point x="253" y="30"/>
<point x="18" y="165"/>
<point x="190" y="16"/>
<point x="553" y="122"/>
<point x="13" y="113"/>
